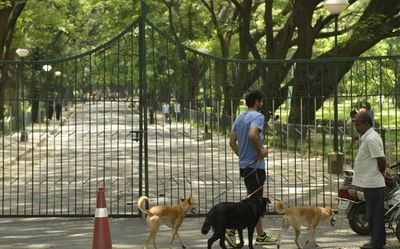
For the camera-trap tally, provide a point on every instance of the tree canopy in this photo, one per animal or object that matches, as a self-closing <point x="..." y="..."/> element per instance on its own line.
<point x="242" y="29"/>
<point x="265" y="30"/>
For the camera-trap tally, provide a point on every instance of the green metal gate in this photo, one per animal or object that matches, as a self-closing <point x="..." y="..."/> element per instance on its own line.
<point x="146" y="115"/>
<point x="73" y="125"/>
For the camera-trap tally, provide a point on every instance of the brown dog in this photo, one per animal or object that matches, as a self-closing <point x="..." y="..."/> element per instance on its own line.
<point x="309" y="216"/>
<point x="172" y="216"/>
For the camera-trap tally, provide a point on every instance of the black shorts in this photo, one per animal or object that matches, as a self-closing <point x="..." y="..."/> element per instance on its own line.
<point x="253" y="180"/>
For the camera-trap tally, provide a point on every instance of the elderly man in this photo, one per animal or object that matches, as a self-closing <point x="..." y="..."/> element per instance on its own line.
<point x="369" y="173"/>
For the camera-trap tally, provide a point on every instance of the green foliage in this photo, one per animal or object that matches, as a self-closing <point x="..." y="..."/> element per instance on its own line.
<point x="5" y="3"/>
<point x="68" y="27"/>
<point x="62" y="28"/>
<point x="365" y="29"/>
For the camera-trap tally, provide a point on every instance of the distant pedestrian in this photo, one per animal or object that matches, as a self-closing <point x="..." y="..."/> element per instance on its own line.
<point x="151" y="114"/>
<point x="58" y="109"/>
<point x="165" y="110"/>
<point x="367" y="108"/>
<point x="50" y="110"/>
<point x="381" y="101"/>
<point x="177" y="109"/>
<point x="350" y="128"/>
<point x="353" y="114"/>
<point x="277" y="124"/>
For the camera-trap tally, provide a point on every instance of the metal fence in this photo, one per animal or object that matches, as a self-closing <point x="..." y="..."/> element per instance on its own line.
<point x="71" y="125"/>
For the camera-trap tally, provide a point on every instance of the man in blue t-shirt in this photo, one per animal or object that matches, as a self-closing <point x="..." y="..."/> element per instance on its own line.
<point x="246" y="143"/>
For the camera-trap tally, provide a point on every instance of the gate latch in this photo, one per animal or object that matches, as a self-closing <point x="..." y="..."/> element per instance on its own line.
<point x="135" y="135"/>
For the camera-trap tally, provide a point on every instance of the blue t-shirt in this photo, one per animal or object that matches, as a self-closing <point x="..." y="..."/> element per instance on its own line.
<point x="241" y="126"/>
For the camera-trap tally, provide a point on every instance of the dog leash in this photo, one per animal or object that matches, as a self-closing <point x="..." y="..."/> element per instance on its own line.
<point x="244" y="177"/>
<point x="260" y="187"/>
<point x="248" y="166"/>
<point x="255" y="191"/>
<point x="269" y="196"/>
<point x="273" y="197"/>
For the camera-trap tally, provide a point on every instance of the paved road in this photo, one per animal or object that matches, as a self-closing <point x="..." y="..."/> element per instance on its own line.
<point x="59" y="169"/>
<point x="130" y="233"/>
<point x="55" y="174"/>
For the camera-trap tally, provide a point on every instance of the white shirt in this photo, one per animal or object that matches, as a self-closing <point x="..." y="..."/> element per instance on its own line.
<point x="165" y="108"/>
<point x="366" y="171"/>
<point x="177" y="108"/>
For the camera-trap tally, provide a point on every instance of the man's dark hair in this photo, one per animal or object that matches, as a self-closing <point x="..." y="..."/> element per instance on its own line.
<point x="364" y="117"/>
<point x="252" y="96"/>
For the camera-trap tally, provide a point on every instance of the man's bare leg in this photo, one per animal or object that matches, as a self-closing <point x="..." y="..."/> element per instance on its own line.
<point x="259" y="227"/>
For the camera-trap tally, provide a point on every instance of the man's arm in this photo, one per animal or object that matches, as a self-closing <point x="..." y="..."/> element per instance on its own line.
<point x="253" y="136"/>
<point x="233" y="144"/>
<point x="382" y="164"/>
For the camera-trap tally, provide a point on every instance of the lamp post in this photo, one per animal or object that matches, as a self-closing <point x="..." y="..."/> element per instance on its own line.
<point x="22" y="53"/>
<point x="58" y="104"/>
<point x="47" y="69"/>
<point x="57" y="74"/>
<point x="335" y="7"/>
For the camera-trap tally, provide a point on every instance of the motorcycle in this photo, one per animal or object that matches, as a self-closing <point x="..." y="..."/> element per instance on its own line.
<point x="351" y="199"/>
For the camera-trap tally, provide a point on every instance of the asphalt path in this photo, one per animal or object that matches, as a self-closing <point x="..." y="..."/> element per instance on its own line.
<point x="130" y="233"/>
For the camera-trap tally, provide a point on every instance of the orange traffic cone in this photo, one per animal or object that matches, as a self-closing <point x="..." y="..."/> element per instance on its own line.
<point x="101" y="234"/>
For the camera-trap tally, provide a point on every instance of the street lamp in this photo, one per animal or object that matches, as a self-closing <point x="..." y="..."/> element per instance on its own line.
<point x="335" y="7"/>
<point x="47" y="68"/>
<point x="169" y="71"/>
<point x="22" y="53"/>
<point x="203" y="50"/>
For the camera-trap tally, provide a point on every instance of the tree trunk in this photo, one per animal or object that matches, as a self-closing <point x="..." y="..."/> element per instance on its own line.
<point x="244" y="80"/>
<point x="8" y="21"/>
<point x="314" y="80"/>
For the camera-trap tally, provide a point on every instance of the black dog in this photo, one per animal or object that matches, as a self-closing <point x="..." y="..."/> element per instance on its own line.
<point x="232" y="215"/>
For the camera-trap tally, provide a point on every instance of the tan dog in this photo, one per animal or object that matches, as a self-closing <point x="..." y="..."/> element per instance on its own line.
<point x="309" y="216"/>
<point x="172" y="216"/>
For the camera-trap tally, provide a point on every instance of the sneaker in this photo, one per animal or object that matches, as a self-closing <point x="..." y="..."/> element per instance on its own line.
<point x="367" y="246"/>
<point x="370" y="246"/>
<point x="230" y="237"/>
<point x="266" y="240"/>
